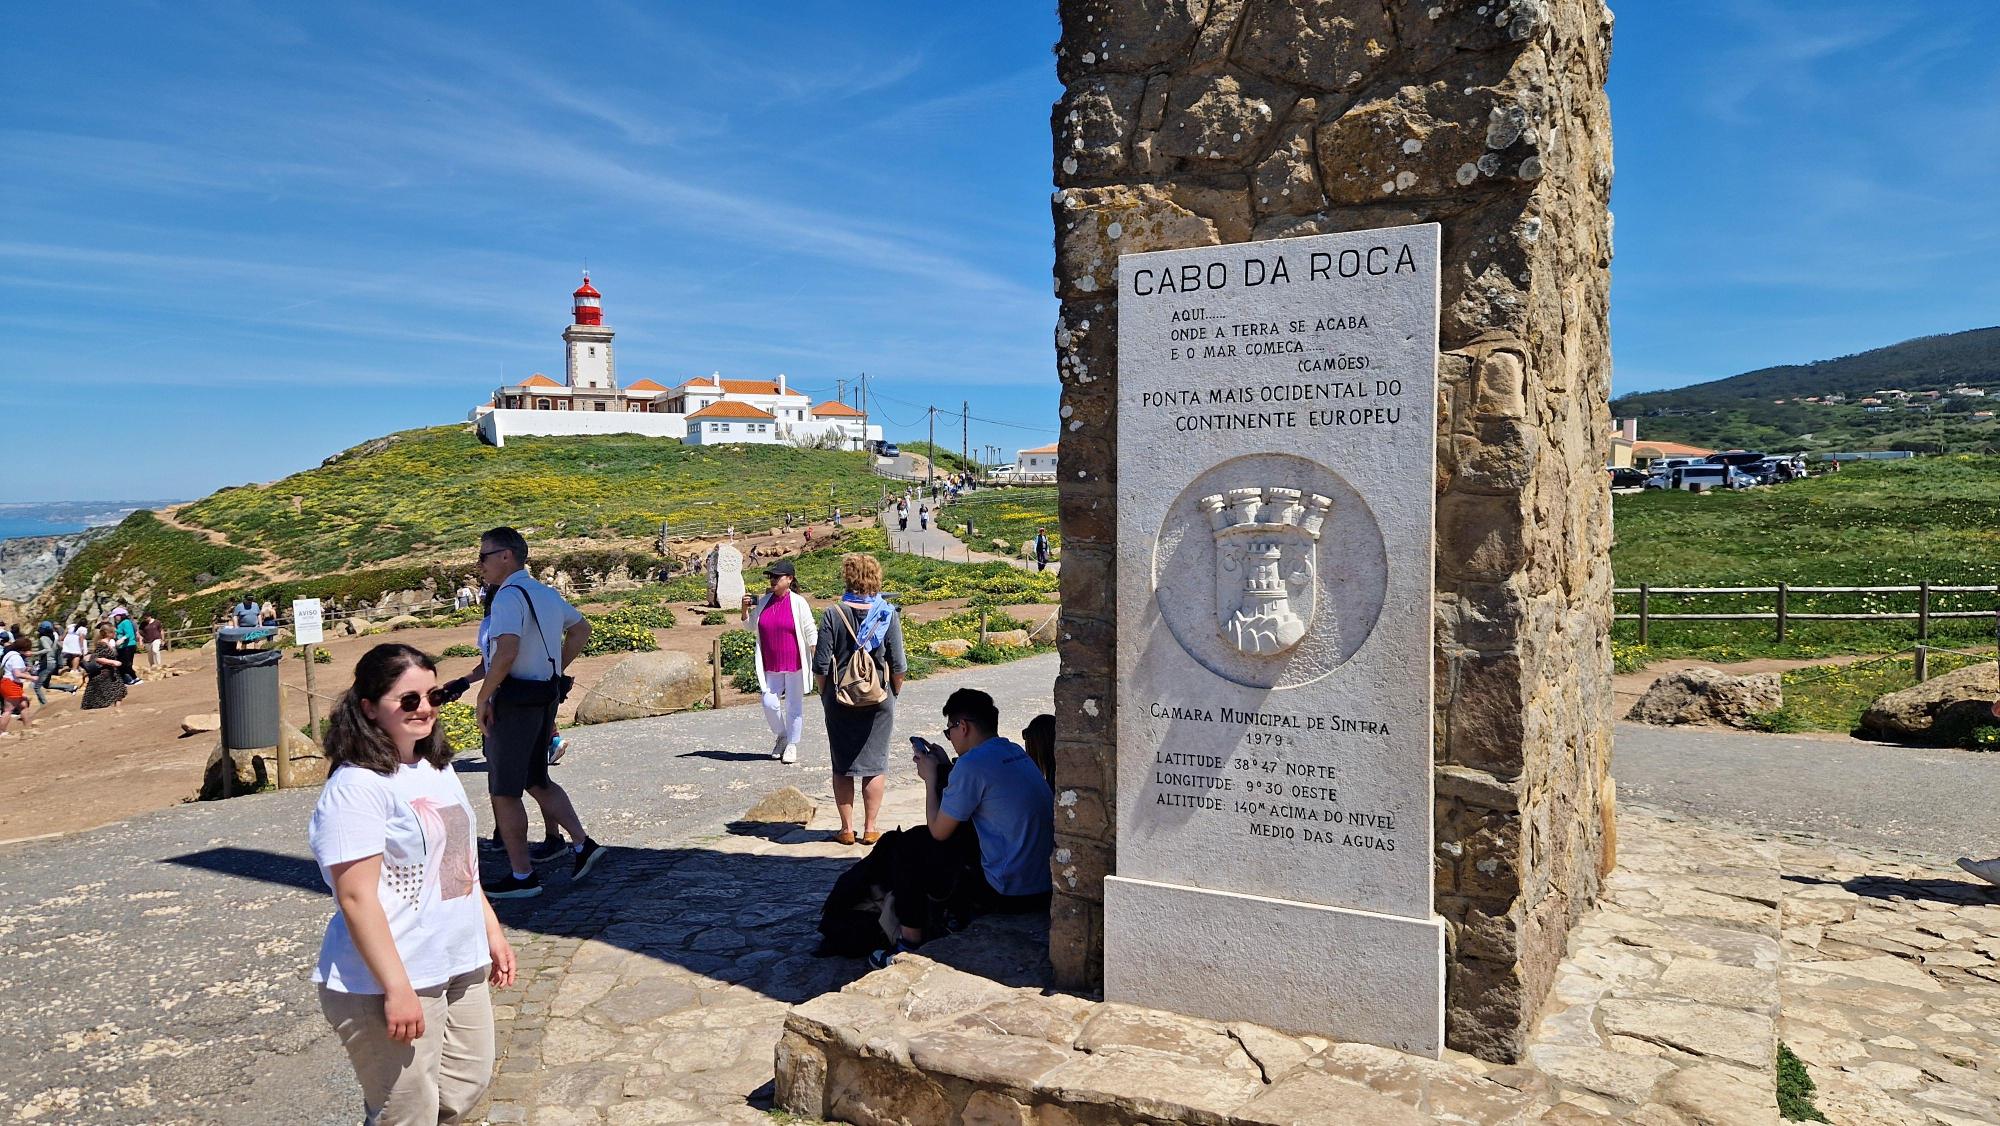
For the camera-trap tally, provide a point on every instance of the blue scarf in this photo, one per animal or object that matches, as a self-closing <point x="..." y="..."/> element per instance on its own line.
<point x="874" y="624"/>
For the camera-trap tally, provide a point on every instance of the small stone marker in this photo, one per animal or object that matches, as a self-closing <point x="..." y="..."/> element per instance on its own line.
<point x="725" y="577"/>
<point x="1276" y="467"/>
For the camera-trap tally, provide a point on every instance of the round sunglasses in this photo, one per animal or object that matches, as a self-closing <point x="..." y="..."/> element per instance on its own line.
<point x="408" y="701"/>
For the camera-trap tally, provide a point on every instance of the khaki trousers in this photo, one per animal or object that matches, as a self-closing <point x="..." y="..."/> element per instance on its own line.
<point x="437" y="1079"/>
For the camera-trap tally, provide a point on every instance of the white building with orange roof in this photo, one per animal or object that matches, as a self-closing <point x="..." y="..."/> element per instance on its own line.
<point x="704" y="410"/>
<point x="1038" y="462"/>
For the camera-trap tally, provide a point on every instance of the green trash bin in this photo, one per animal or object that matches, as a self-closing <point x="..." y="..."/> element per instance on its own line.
<point x="247" y="687"/>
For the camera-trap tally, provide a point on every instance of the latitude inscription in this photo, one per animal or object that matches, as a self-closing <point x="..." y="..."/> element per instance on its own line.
<point x="1276" y="453"/>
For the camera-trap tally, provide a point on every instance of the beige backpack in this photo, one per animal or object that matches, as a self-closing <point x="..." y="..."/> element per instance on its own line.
<point x="858" y="680"/>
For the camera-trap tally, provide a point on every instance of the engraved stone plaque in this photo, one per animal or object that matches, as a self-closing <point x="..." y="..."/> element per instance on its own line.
<point x="725" y="577"/>
<point x="1276" y="462"/>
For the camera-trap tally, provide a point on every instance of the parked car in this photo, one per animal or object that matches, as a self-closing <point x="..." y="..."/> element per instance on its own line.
<point x="1737" y="458"/>
<point x="1623" y="477"/>
<point x="1705" y="477"/>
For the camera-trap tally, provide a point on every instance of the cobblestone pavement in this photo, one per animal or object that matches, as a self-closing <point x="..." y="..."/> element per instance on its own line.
<point x="157" y="970"/>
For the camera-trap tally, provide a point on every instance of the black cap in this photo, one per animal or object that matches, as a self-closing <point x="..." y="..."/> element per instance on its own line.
<point x="781" y="567"/>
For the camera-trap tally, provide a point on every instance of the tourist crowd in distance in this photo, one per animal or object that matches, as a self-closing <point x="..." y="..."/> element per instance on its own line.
<point x="414" y="947"/>
<point x="98" y="661"/>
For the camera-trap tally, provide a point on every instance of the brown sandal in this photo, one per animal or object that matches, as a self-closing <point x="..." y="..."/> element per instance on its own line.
<point x="871" y="838"/>
<point x="845" y="836"/>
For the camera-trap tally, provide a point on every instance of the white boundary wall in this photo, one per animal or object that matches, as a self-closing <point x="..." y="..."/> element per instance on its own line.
<point x="500" y="424"/>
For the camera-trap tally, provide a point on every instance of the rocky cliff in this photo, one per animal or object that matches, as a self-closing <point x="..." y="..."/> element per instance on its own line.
<point x="30" y="563"/>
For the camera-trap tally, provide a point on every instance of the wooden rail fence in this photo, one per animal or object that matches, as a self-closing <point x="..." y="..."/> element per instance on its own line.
<point x="1782" y="615"/>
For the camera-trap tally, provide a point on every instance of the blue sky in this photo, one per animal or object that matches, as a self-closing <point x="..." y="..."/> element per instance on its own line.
<point x="235" y="238"/>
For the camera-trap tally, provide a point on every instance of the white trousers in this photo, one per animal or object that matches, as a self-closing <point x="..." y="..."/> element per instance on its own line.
<point x="785" y="704"/>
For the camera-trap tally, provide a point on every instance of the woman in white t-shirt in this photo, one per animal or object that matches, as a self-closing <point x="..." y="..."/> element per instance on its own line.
<point x="404" y="968"/>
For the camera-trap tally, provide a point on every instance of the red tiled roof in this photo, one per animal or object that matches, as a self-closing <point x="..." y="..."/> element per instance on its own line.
<point x="539" y="380"/>
<point x="732" y="410"/>
<point x="836" y="410"/>
<point x="1048" y="449"/>
<point x="756" y="387"/>
<point x="1669" y="449"/>
<point x="644" y="385"/>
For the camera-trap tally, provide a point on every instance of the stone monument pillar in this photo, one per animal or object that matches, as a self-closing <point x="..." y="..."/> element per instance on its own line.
<point x="1201" y="122"/>
<point x="725" y="577"/>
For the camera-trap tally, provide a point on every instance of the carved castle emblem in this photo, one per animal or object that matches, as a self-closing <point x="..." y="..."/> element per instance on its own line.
<point x="1266" y="565"/>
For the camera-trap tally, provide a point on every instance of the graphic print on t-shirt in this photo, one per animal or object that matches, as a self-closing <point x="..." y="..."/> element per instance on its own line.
<point x="447" y="847"/>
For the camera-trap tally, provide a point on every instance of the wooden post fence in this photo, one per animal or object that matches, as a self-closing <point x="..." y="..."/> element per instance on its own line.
<point x="1645" y="596"/>
<point x="1923" y="631"/>
<point x="1784" y="597"/>
<point x="715" y="673"/>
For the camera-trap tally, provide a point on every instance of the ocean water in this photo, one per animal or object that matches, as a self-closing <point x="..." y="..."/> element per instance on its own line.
<point x="56" y="518"/>
<point x="13" y="527"/>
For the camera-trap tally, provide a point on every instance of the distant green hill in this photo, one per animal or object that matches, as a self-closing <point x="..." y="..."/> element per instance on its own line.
<point x="385" y="514"/>
<point x="1744" y="410"/>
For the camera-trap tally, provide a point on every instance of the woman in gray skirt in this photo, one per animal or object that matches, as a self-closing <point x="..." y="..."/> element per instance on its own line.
<point x="859" y="737"/>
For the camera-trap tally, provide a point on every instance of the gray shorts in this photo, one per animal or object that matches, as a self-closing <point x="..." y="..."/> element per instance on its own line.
<point x="517" y="749"/>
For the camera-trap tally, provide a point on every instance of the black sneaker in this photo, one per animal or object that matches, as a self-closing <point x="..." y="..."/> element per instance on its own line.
<point x="590" y="854"/>
<point x="511" y="886"/>
<point x="548" y="849"/>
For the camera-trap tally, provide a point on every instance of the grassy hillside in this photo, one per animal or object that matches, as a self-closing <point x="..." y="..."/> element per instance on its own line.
<point x="385" y="514"/>
<point x="1011" y="514"/>
<point x="432" y="490"/>
<point x="1883" y="524"/>
<point x="1745" y="411"/>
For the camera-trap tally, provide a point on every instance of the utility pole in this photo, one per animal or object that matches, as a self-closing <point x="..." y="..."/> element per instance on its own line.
<point x="930" y="461"/>
<point x="861" y="404"/>
<point x="965" y="430"/>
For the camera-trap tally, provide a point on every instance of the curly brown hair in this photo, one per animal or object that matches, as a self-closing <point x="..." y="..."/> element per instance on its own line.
<point x="861" y="572"/>
<point x="352" y="739"/>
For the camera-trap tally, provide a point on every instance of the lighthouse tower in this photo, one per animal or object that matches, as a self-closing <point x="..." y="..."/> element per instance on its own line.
<point x="588" y="342"/>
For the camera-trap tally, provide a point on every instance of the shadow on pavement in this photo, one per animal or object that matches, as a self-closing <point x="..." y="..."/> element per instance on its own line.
<point x="1963" y="892"/>
<point x="728" y="756"/>
<point x="255" y="864"/>
<point x="736" y="916"/>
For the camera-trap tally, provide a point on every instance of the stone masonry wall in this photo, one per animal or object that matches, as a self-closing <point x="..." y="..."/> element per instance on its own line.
<point x="1196" y="122"/>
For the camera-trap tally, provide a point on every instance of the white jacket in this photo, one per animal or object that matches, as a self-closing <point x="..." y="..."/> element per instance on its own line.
<point x="804" y="626"/>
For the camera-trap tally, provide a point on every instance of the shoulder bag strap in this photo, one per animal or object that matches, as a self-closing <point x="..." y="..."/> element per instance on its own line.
<point x="554" y="670"/>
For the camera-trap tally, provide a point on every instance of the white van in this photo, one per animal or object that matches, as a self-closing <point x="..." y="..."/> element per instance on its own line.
<point x="1707" y="477"/>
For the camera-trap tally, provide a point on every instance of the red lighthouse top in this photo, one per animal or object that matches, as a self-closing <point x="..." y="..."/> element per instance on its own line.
<point x="587" y="307"/>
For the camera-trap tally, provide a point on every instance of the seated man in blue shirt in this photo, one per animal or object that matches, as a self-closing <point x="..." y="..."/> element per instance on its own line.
<point x="1002" y="865"/>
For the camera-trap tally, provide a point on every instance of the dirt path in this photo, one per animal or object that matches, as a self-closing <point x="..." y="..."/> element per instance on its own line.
<point x="269" y="569"/>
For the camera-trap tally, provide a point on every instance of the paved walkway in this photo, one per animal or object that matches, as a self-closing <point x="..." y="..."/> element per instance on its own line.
<point x="1939" y="802"/>
<point x="936" y="543"/>
<point x="157" y="970"/>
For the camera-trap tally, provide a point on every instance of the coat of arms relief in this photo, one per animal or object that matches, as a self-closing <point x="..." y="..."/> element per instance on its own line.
<point x="1266" y="565"/>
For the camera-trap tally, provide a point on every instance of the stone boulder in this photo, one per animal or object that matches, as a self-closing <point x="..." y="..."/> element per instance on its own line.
<point x="1942" y="711"/>
<point x="357" y="626"/>
<point x="951" y="647"/>
<point x="1709" y="696"/>
<point x="401" y="621"/>
<point x="201" y="724"/>
<point x="646" y="684"/>
<point x="1010" y="638"/>
<point x="786" y="806"/>
<point x="229" y="773"/>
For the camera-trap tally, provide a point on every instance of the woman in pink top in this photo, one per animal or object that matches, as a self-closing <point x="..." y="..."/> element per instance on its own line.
<point x="786" y="634"/>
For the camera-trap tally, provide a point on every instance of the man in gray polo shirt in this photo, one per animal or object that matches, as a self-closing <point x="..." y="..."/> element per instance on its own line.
<point x="531" y="635"/>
